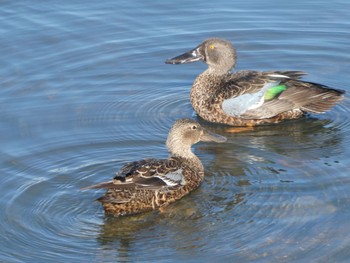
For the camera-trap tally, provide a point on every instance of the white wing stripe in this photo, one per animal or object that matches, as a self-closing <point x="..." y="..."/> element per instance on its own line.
<point x="173" y="179"/>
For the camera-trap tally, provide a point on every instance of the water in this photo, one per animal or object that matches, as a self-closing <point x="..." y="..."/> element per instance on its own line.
<point x="84" y="89"/>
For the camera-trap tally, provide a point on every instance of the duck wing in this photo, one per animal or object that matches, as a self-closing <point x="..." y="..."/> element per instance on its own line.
<point x="301" y="95"/>
<point x="148" y="174"/>
<point x="260" y="95"/>
<point x="251" y="82"/>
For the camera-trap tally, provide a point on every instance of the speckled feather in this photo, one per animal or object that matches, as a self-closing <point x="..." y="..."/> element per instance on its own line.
<point x="146" y="191"/>
<point x="217" y="85"/>
<point x="151" y="184"/>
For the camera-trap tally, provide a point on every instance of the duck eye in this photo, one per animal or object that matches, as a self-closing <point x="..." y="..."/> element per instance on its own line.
<point x="194" y="127"/>
<point x="211" y="47"/>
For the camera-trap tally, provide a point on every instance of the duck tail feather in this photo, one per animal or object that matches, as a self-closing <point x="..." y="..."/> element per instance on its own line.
<point x="108" y="184"/>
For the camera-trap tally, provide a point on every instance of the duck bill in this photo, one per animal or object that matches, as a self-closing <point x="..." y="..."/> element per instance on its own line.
<point x="188" y="57"/>
<point x="209" y="136"/>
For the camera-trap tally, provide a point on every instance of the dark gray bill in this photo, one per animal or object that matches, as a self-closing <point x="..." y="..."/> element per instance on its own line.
<point x="188" y="57"/>
<point x="209" y="136"/>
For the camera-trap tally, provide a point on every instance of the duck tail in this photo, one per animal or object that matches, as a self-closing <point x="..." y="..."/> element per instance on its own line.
<point x="325" y="99"/>
<point x="108" y="184"/>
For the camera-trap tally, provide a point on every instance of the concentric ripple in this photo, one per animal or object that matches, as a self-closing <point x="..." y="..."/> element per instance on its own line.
<point x="84" y="89"/>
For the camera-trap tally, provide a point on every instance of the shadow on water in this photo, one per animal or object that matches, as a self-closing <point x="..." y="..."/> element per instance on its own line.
<point x="177" y="229"/>
<point x="291" y="144"/>
<point x="120" y="233"/>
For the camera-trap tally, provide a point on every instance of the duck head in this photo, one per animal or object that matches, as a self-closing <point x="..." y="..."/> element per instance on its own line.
<point x="217" y="53"/>
<point x="186" y="132"/>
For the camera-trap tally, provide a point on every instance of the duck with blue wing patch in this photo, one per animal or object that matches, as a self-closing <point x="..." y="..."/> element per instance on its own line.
<point x="151" y="184"/>
<point x="249" y="98"/>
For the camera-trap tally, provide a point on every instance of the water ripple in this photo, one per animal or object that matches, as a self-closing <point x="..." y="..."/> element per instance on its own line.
<point x="84" y="89"/>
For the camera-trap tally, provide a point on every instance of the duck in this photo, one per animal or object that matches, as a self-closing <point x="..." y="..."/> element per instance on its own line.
<point x="248" y="97"/>
<point x="152" y="184"/>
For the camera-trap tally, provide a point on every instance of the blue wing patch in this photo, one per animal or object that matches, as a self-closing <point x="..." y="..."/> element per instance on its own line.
<point x="173" y="178"/>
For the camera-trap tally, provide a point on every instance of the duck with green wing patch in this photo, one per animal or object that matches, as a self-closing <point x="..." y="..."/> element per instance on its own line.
<point x="249" y="98"/>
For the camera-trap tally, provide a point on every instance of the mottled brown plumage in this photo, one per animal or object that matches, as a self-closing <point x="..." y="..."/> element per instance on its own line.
<point x="152" y="184"/>
<point x="248" y="98"/>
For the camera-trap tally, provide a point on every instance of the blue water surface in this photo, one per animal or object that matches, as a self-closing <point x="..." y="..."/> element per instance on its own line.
<point x="84" y="89"/>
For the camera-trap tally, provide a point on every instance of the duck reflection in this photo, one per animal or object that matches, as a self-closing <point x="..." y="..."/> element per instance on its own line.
<point x="292" y="143"/>
<point x="179" y="225"/>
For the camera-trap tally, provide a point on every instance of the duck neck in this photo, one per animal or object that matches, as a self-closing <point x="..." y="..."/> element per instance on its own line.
<point x="193" y="161"/>
<point x="178" y="150"/>
<point x="203" y="90"/>
<point x="217" y="71"/>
